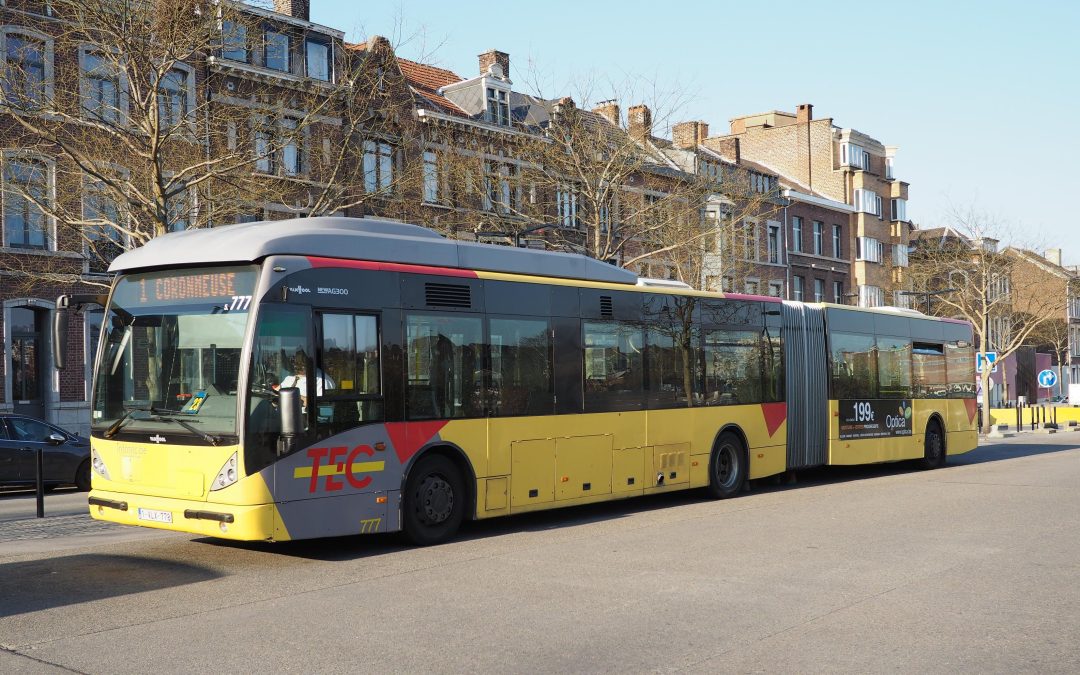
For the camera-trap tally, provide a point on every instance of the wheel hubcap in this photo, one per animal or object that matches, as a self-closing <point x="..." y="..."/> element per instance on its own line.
<point x="435" y="499"/>
<point x="726" y="466"/>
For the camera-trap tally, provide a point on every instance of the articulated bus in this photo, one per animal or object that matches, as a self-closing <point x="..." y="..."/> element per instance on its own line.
<point x="332" y="376"/>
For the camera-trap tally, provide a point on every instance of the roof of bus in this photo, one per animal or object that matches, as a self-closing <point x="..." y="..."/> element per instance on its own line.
<point x="358" y="239"/>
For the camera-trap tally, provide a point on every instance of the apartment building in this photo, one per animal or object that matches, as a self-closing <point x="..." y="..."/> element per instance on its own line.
<point x="849" y="167"/>
<point x="61" y="83"/>
<point x="818" y="246"/>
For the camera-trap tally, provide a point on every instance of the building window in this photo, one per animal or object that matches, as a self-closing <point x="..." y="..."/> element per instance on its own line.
<point x="869" y="249"/>
<point x="292" y="148"/>
<point x="27" y="80"/>
<point x="889" y="168"/>
<point x="101" y="90"/>
<point x="867" y="201"/>
<point x="819" y="238"/>
<point x="317" y="57"/>
<point x="761" y="183"/>
<point x="899" y="209"/>
<point x="796" y="234"/>
<point x="712" y="170"/>
<point x="798" y="290"/>
<point x="900" y="255"/>
<point x="819" y="290"/>
<point x="179" y="208"/>
<point x="750" y="242"/>
<point x="173" y="98"/>
<point x="378" y="166"/>
<point x="498" y="107"/>
<point x="104" y="235"/>
<point x="26" y="190"/>
<point x="774" y="244"/>
<point x="854" y="156"/>
<point x="837" y="242"/>
<point x="264" y="147"/>
<point x="276" y="51"/>
<point x="751" y="286"/>
<point x="838" y="292"/>
<point x="776" y="289"/>
<point x="431" y="177"/>
<point x="566" y="207"/>
<point x="234" y="41"/>
<point x="871" y="296"/>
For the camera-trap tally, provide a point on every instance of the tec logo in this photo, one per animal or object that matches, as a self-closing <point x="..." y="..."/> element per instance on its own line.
<point x="330" y="463"/>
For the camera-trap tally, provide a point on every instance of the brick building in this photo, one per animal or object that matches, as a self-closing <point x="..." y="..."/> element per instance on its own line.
<point x="845" y="166"/>
<point x="49" y="244"/>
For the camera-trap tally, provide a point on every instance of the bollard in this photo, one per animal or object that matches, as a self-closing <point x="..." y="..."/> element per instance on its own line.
<point x="40" y="482"/>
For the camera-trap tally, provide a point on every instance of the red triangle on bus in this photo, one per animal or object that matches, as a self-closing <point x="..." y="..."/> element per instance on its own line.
<point x="775" y="414"/>
<point x="409" y="437"/>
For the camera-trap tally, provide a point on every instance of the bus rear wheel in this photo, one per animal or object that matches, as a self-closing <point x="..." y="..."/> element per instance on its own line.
<point x="933" y="447"/>
<point x="727" y="466"/>
<point x="434" y="503"/>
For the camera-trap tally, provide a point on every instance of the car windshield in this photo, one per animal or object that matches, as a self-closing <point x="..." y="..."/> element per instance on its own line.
<point x="171" y="351"/>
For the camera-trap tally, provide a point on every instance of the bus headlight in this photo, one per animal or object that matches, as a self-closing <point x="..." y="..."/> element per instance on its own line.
<point x="98" y="465"/>
<point x="227" y="476"/>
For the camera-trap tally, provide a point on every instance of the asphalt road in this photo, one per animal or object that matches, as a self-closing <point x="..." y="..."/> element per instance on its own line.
<point x="971" y="568"/>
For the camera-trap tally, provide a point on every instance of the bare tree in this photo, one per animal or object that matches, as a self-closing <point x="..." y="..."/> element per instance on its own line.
<point x="975" y="278"/>
<point x="154" y="122"/>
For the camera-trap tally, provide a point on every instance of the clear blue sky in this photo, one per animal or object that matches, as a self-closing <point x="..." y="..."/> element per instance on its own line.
<point x="982" y="98"/>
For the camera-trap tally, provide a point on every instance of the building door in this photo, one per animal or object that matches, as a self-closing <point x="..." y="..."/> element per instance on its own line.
<point x="27" y="383"/>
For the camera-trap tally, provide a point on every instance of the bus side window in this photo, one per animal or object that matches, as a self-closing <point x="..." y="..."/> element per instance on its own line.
<point x="894" y="367"/>
<point x="854" y="366"/>
<point x="348" y="382"/>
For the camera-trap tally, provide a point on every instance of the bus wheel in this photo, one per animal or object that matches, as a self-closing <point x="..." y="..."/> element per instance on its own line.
<point x="727" y="466"/>
<point x="933" y="447"/>
<point x="434" y="503"/>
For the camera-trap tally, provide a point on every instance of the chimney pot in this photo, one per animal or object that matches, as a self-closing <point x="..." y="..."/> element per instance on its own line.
<point x="689" y="135"/>
<point x="495" y="57"/>
<point x="804" y="113"/>
<point x="297" y="9"/>
<point x="640" y="119"/>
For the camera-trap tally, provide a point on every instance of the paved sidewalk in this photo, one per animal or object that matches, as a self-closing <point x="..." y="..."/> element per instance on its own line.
<point x="53" y="527"/>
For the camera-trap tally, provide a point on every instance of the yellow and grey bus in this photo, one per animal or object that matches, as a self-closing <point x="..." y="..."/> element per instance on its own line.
<point x="331" y="376"/>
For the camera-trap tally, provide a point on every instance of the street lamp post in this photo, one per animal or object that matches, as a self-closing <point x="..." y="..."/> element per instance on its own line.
<point x="927" y="294"/>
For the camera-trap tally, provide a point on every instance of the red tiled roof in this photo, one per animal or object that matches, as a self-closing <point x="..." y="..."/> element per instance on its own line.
<point x="426" y="80"/>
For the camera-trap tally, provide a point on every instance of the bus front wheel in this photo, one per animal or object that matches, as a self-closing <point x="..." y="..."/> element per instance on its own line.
<point x="434" y="503"/>
<point x="727" y="466"/>
<point x="933" y="447"/>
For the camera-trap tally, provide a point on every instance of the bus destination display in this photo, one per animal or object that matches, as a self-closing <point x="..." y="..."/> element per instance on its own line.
<point x="874" y="418"/>
<point x="231" y="288"/>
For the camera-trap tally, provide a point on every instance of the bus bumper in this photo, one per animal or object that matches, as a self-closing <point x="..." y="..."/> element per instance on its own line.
<point x="227" y="521"/>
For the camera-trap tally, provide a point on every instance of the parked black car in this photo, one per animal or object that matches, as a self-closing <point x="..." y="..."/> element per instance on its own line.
<point x="66" y="460"/>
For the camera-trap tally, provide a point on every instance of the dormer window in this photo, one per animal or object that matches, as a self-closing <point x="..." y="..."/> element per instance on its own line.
<point x="498" y="107"/>
<point x="317" y="53"/>
<point x="234" y="45"/>
<point x="276" y="55"/>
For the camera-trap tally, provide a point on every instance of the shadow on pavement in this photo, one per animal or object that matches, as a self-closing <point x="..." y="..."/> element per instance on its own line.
<point x="363" y="546"/>
<point x="56" y="582"/>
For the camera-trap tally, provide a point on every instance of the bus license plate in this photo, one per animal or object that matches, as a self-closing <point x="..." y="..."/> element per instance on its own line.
<point x="155" y="516"/>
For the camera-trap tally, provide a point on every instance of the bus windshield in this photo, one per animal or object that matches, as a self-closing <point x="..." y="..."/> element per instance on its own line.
<point x="170" y="356"/>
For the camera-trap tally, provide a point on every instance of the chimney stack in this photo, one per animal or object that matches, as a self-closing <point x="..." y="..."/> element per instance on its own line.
<point x="609" y="110"/>
<point x="1053" y="255"/>
<point x="640" y="119"/>
<point x="804" y="113"/>
<point x="495" y="57"/>
<point x="689" y="135"/>
<point x="297" y="9"/>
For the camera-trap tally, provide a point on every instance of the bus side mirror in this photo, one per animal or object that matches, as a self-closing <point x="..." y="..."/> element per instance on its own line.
<point x="60" y="331"/>
<point x="291" y="412"/>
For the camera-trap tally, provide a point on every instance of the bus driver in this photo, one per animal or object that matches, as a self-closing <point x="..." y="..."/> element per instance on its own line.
<point x="299" y="379"/>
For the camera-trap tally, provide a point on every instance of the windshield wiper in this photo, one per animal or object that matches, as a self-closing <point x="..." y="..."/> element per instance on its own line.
<point x="161" y="415"/>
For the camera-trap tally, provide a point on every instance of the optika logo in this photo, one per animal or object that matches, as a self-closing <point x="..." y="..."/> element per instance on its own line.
<point x="157" y="438"/>
<point x="299" y="290"/>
